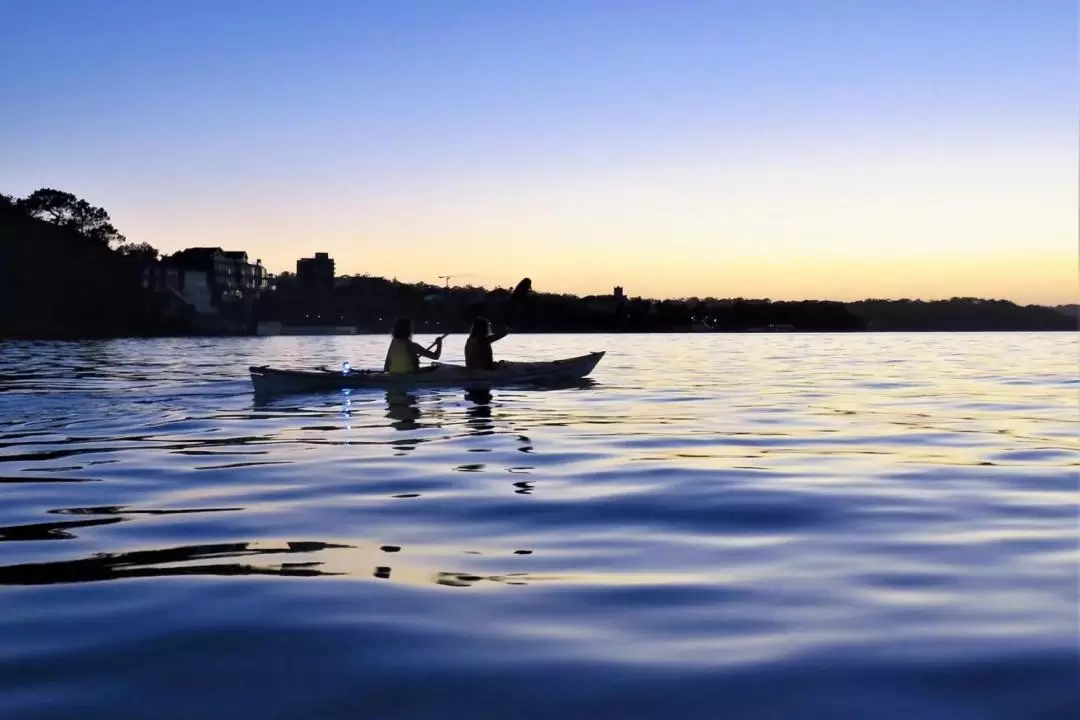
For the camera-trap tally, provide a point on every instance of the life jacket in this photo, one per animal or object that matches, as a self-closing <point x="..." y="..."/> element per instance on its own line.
<point x="399" y="358"/>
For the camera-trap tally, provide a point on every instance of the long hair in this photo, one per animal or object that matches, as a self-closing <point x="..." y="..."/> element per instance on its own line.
<point x="481" y="327"/>
<point x="403" y="329"/>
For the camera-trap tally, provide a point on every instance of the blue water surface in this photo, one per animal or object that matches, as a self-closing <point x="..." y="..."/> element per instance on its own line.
<point x="715" y="526"/>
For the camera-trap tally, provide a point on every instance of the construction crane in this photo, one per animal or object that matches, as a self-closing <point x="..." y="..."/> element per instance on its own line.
<point x="456" y="275"/>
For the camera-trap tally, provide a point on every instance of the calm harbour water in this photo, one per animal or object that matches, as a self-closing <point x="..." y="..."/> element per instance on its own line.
<point x="748" y="526"/>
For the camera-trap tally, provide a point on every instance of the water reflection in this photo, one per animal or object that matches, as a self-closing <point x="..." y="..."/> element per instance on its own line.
<point x="189" y="560"/>
<point x="61" y="530"/>
<point x="150" y="563"/>
<point x="404" y="413"/>
<point x="481" y="422"/>
<point x="402" y="409"/>
<point x="51" y="531"/>
<point x="859" y="534"/>
<point x="459" y="579"/>
<point x="46" y="479"/>
<point x="479" y="419"/>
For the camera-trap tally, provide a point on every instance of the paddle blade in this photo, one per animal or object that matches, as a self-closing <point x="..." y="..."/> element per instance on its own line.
<point x="522" y="289"/>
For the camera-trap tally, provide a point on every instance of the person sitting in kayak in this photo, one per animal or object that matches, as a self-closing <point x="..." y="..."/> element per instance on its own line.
<point x="403" y="355"/>
<point x="478" y="354"/>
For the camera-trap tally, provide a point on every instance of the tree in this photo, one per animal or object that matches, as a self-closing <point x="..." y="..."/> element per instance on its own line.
<point x="67" y="211"/>
<point x="139" y="251"/>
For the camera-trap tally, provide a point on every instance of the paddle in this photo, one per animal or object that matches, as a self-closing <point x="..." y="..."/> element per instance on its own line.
<point x="517" y="299"/>
<point x="496" y="307"/>
<point x="521" y="290"/>
<point x="441" y="337"/>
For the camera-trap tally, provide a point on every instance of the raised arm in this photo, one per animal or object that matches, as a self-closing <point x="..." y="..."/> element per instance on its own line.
<point x="424" y="352"/>
<point x="496" y="337"/>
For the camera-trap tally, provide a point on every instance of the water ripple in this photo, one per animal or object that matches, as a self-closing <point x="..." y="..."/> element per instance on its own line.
<point x="774" y="525"/>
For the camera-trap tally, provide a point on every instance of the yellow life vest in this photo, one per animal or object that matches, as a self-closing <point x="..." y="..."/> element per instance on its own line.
<point x="399" y="358"/>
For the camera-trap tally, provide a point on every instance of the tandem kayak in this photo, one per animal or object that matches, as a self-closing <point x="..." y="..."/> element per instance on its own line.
<point x="275" y="381"/>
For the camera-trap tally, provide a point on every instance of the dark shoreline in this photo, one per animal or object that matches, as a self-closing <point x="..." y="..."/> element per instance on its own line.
<point x="93" y="291"/>
<point x="77" y="338"/>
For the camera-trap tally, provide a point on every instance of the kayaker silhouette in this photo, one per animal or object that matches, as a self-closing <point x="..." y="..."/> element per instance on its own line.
<point x="403" y="355"/>
<point x="478" y="355"/>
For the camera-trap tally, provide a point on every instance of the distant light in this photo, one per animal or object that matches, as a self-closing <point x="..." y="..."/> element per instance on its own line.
<point x="345" y="367"/>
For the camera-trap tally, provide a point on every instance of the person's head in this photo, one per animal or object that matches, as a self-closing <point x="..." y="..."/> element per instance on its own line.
<point x="480" y="326"/>
<point x="403" y="329"/>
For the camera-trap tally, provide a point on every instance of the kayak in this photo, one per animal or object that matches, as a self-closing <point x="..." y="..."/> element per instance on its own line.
<point x="269" y="380"/>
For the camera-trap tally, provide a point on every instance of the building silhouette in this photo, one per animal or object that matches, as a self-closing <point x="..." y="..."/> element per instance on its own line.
<point x="315" y="287"/>
<point x="227" y="276"/>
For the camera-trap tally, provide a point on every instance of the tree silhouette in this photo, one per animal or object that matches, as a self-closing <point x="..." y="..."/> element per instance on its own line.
<point x="67" y="211"/>
<point x="139" y="251"/>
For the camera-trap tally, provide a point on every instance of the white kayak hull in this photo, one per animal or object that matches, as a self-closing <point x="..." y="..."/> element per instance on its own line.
<point x="267" y="380"/>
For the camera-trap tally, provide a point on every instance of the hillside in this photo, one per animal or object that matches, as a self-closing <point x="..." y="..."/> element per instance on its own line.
<point x="958" y="315"/>
<point x="56" y="283"/>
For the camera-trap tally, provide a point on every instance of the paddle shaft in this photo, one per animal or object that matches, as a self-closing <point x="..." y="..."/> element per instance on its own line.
<point x="433" y="342"/>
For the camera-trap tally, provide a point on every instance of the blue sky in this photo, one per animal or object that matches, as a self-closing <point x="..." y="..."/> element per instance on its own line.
<point x="789" y="148"/>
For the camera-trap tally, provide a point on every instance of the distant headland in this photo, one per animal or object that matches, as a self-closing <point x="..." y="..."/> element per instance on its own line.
<point x="67" y="273"/>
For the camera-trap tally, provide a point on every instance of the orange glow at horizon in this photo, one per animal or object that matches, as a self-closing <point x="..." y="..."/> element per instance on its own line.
<point x="927" y="227"/>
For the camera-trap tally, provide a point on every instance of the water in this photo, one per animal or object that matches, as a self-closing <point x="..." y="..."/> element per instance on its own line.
<point x="760" y="526"/>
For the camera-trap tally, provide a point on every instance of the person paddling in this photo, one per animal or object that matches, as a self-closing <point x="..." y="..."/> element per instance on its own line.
<point x="478" y="355"/>
<point x="403" y="355"/>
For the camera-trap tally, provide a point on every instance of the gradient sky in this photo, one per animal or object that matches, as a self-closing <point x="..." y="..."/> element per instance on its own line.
<point x="786" y="149"/>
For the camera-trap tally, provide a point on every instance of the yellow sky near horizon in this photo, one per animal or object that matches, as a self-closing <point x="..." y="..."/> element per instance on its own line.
<point x="831" y="226"/>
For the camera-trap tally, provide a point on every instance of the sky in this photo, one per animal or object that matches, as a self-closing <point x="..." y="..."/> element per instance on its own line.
<point x="791" y="149"/>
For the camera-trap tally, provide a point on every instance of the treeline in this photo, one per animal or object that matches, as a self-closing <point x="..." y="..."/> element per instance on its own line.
<point x="372" y="304"/>
<point x="605" y="314"/>
<point x="569" y="313"/>
<point x="66" y="272"/>
<point x="959" y="314"/>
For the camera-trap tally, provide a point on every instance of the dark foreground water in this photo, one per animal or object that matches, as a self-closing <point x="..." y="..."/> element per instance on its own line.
<point x="769" y="526"/>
